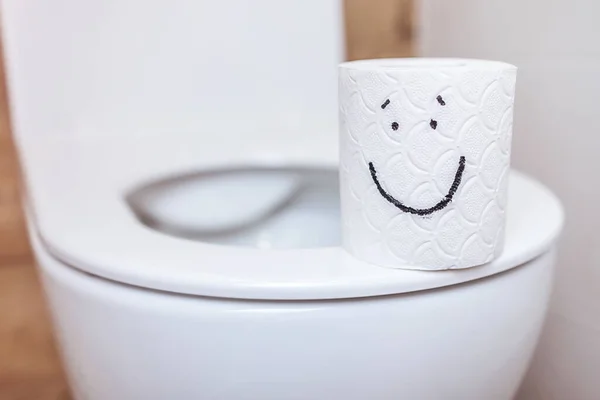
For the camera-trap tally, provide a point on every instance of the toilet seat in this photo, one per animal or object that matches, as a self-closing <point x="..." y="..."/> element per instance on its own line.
<point x="75" y="192"/>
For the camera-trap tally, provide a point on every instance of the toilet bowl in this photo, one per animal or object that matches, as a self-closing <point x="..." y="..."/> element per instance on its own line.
<point x="159" y="290"/>
<point x="472" y="340"/>
<point x="144" y="313"/>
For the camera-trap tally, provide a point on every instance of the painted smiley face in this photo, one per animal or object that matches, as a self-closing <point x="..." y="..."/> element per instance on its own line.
<point x="443" y="203"/>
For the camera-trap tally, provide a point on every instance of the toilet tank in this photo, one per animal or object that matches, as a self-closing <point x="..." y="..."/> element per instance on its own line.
<point x="79" y="68"/>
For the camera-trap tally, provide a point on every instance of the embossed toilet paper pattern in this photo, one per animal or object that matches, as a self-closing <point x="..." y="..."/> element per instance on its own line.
<point x="424" y="160"/>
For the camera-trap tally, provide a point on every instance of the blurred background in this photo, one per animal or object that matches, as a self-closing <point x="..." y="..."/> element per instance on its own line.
<point x="553" y="42"/>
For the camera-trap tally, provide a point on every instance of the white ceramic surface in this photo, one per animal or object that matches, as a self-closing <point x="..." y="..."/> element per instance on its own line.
<point x="110" y="241"/>
<point x="218" y="203"/>
<point x="155" y="67"/>
<point x="308" y="218"/>
<point x="425" y="156"/>
<point x="468" y="341"/>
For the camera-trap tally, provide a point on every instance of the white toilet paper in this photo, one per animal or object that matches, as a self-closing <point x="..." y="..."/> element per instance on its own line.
<point x="425" y="153"/>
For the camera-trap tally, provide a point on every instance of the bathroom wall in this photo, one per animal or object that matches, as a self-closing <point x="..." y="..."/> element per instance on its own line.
<point x="29" y="365"/>
<point x="555" y="45"/>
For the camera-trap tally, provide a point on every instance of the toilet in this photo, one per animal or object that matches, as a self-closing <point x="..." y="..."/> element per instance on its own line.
<point x="182" y="204"/>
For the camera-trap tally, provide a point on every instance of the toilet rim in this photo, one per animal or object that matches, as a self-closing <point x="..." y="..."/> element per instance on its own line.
<point x="93" y="230"/>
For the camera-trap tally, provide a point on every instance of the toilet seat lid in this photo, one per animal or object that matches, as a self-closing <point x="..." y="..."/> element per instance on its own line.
<point x="75" y="198"/>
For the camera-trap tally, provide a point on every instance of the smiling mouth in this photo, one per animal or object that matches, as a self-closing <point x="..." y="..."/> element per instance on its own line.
<point x="422" y="211"/>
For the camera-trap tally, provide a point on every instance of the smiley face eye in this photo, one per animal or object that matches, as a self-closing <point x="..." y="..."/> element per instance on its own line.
<point x="395" y="125"/>
<point x="432" y="123"/>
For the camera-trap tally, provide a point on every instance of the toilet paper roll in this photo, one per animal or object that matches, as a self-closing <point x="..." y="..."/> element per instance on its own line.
<point x="425" y="151"/>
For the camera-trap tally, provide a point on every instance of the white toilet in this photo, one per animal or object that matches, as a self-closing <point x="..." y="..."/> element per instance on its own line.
<point x="125" y="136"/>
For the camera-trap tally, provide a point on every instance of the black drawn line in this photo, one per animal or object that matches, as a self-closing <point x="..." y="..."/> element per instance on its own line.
<point x="422" y="211"/>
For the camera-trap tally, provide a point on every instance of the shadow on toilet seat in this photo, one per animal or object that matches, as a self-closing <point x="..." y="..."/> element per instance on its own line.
<point x="269" y="208"/>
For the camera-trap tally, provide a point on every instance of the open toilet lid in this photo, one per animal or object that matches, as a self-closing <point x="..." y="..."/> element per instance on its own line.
<point x="75" y="191"/>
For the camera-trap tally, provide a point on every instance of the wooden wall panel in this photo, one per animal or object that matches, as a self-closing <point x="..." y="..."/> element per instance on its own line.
<point x="378" y="28"/>
<point x="13" y="240"/>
